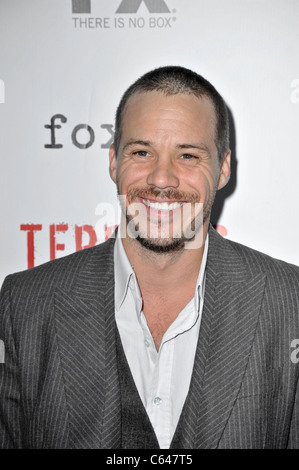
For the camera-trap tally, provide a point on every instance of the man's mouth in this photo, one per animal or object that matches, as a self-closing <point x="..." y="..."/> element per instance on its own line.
<point x="163" y="206"/>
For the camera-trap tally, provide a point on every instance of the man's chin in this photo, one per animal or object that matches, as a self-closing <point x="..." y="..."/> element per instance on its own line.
<point x="156" y="245"/>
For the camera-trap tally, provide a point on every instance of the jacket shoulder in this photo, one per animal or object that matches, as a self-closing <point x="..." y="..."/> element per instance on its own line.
<point x="261" y="262"/>
<point x="61" y="272"/>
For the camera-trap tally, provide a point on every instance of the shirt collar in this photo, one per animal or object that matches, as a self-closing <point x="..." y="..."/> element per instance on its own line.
<point x="125" y="275"/>
<point x="201" y="279"/>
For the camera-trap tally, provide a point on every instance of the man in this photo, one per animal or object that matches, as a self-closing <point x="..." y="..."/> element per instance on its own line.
<point x="167" y="335"/>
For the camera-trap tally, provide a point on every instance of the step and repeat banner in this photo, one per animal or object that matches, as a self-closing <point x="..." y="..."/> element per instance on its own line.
<point x="64" y="65"/>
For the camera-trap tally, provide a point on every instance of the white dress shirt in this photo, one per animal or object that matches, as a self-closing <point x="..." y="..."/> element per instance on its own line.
<point x="162" y="377"/>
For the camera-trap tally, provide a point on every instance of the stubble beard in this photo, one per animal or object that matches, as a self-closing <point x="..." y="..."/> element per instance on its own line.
<point x="176" y="242"/>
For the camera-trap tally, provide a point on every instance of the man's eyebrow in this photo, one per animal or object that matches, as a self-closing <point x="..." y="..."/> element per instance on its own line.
<point x="193" y="146"/>
<point x="131" y="143"/>
<point x="148" y="143"/>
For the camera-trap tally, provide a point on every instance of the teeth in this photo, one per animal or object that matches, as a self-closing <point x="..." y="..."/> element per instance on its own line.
<point x="162" y="206"/>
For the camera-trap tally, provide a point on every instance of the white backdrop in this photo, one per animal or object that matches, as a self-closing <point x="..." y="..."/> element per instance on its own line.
<point x="76" y="58"/>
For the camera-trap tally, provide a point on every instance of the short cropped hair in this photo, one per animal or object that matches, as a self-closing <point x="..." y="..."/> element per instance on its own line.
<point x="173" y="80"/>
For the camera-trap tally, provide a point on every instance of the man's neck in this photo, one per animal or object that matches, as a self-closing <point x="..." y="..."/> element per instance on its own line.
<point x="166" y="281"/>
<point x="164" y="272"/>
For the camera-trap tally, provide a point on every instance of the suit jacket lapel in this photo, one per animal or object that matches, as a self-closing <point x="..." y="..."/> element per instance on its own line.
<point x="231" y="308"/>
<point x="84" y="313"/>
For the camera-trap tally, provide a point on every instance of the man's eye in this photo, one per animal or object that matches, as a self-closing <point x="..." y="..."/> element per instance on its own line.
<point x="141" y="153"/>
<point x="188" y="156"/>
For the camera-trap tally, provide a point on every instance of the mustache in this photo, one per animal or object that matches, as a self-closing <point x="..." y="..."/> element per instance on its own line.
<point x="170" y="194"/>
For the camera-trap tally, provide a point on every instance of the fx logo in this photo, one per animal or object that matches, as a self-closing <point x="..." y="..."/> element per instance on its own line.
<point x="153" y="6"/>
<point x="126" y="6"/>
<point x="81" y="6"/>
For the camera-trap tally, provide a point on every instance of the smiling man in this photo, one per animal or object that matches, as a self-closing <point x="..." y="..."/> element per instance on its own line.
<point x="166" y="335"/>
<point x="168" y="158"/>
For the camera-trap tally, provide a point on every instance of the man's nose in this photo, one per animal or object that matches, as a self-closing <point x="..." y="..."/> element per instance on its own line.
<point x="163" y="175"/>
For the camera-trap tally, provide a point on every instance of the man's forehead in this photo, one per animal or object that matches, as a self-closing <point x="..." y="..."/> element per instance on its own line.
<point x="150" y="102"/>
<point x="151" y="107"/>
<point x="145" y="97"/>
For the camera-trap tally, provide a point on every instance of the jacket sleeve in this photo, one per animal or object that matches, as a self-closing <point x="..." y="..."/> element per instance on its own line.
<point x="10" y="396"/>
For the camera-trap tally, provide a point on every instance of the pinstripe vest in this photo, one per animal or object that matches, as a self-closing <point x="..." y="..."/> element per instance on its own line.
<point x="136" y="429"/>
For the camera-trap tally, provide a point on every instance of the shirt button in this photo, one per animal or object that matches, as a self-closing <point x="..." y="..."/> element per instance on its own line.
<point x="157" y="400"/>
<point x="147" y="343"/>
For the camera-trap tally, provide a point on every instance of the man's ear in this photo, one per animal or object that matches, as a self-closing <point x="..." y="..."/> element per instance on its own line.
<point x="224" y="171"/>
<point x="113" y="163"/>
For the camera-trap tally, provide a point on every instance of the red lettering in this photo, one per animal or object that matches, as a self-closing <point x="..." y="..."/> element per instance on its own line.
<point x="53" y="245"/>
<point x="222" y="230"/>
<point x="79" y="235"/>
<point x="109" y="230"/>
<point x="30" y="228"/>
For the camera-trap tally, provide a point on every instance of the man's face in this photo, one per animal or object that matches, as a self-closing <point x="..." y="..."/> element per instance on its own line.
<point x="167" y="160"/>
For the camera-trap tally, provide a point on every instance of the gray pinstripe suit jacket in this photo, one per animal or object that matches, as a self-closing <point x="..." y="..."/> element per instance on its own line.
<point x="59" y="384"/>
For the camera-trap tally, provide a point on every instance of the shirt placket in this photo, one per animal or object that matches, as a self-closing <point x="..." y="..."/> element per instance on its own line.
<point x="159" y="401"/>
